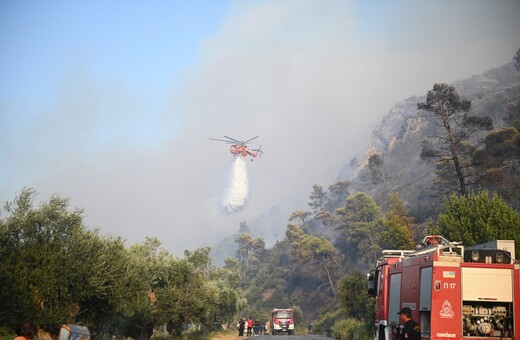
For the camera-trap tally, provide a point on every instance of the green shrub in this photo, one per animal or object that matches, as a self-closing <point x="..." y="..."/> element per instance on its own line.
<point x="326" y="321"/>
<point x="6" y="333"/>
<point x="350" y="329"/>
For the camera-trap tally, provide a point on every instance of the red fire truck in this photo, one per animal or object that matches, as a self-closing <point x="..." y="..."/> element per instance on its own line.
<point x="454" y="292"/>
<point x="282" y="321"/>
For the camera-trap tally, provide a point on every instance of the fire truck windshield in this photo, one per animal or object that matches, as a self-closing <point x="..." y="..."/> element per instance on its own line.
<point x="283" y="314"/>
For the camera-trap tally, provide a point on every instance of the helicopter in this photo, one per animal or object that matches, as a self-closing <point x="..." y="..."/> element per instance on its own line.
<point x="239" y="148"/>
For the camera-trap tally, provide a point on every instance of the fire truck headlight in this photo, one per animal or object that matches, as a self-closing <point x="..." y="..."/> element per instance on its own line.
<point x="499" y="257"/>
<point x="475" y="256"/>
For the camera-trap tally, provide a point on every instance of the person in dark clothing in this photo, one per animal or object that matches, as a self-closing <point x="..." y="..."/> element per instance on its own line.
<point x="411" y="329"/>
<point x="309" y="328"/>
<point x="257" y="328"/>
<point x="241" y="327"/>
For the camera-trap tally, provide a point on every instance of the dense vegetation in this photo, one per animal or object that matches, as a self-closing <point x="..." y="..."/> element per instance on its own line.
<point x="472" y="195"/>
<point x="56" y="270"/>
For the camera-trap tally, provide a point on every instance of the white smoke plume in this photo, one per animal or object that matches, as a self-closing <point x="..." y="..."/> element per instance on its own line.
<point x="237" y="191"/>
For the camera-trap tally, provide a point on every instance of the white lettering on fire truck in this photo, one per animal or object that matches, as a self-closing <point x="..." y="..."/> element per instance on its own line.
<point x="449" y="285"/>
<point x="445" y="335"/>
<point x="446" y="310"/>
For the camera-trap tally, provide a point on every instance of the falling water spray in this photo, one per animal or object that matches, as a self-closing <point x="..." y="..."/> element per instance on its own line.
<point x="237" y="191"/>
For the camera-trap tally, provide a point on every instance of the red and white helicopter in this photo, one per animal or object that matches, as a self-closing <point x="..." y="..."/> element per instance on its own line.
<point x="239" y="148"/>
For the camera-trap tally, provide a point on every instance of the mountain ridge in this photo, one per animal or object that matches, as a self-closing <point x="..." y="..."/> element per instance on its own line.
<point x="396" y="139"/>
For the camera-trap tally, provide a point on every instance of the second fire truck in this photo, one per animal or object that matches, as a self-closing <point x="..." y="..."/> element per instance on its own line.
<point x="454" y="292"/>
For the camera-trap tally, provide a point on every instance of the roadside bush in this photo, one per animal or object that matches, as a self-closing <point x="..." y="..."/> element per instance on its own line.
<point x="326" y="322"/>
<point x="350" y="329"/>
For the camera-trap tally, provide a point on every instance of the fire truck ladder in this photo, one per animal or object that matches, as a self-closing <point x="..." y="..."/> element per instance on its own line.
<point x="428" y="245"/>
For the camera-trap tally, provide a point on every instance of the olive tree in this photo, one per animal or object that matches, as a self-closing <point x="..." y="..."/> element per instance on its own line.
<point x="53" y="269"/>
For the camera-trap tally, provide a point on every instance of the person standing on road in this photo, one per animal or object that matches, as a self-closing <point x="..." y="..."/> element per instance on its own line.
<point x="241" y="327"/>
<point x="267" y="327"/>
<point x="411" y="329"/>
<point x="250" y="326"/>
<point x="309" y="328"/>
<point x="256" y="327"/>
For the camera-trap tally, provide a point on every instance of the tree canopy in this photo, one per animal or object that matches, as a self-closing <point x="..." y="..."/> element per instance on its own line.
<point x="478" y="218"/>
<point x="398" y="234"/>
<point x="54" y="270"/>
<point x="450" y="145"/>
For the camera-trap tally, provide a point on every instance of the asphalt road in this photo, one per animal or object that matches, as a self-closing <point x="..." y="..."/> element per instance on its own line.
<point x="288" y="337"/>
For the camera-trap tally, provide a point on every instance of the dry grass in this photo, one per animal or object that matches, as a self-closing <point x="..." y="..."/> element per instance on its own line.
<point x="225" y="335"/>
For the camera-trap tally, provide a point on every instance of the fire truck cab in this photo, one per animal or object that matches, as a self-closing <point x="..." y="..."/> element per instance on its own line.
<point x="454" y="293"/>
<point x="282" y="321"/>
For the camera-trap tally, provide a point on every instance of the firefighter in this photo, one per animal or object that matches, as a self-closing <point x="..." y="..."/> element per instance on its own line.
<point x="411" y="329"/>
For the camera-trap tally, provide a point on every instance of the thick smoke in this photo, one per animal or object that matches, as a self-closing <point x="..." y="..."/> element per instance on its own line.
<point x="237" y="191"/>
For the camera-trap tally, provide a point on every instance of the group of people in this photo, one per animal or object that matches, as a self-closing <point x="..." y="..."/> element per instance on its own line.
<point x="410" y="331"/>
<point x="253" y="328"/>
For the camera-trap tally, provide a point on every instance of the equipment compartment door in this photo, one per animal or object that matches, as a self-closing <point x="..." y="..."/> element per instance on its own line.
<point x="394" y="301"/>
<point x="487" y="284"/>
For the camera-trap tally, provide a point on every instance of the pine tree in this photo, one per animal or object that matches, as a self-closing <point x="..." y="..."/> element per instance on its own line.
<point x="451" y="144"/>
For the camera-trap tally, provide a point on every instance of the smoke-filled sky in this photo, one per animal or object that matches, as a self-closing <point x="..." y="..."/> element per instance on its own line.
<point x="111" y="103"/>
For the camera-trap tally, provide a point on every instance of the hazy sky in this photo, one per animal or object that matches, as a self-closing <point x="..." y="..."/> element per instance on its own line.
<point x="111" y="103"/>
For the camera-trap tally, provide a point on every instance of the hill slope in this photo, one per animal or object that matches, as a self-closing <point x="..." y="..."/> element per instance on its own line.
<point x="396" y="139"/>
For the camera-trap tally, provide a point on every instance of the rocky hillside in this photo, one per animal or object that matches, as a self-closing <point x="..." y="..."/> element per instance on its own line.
<point x="396" y="139"/>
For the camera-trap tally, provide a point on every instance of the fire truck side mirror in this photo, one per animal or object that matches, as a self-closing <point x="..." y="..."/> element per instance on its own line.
<point x="371" y="283"/>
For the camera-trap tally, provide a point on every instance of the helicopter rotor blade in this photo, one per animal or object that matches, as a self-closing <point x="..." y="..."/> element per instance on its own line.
<point x="234" y="140"/>
<point x="247" y="141"/>
<point x="221" y="140"/>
